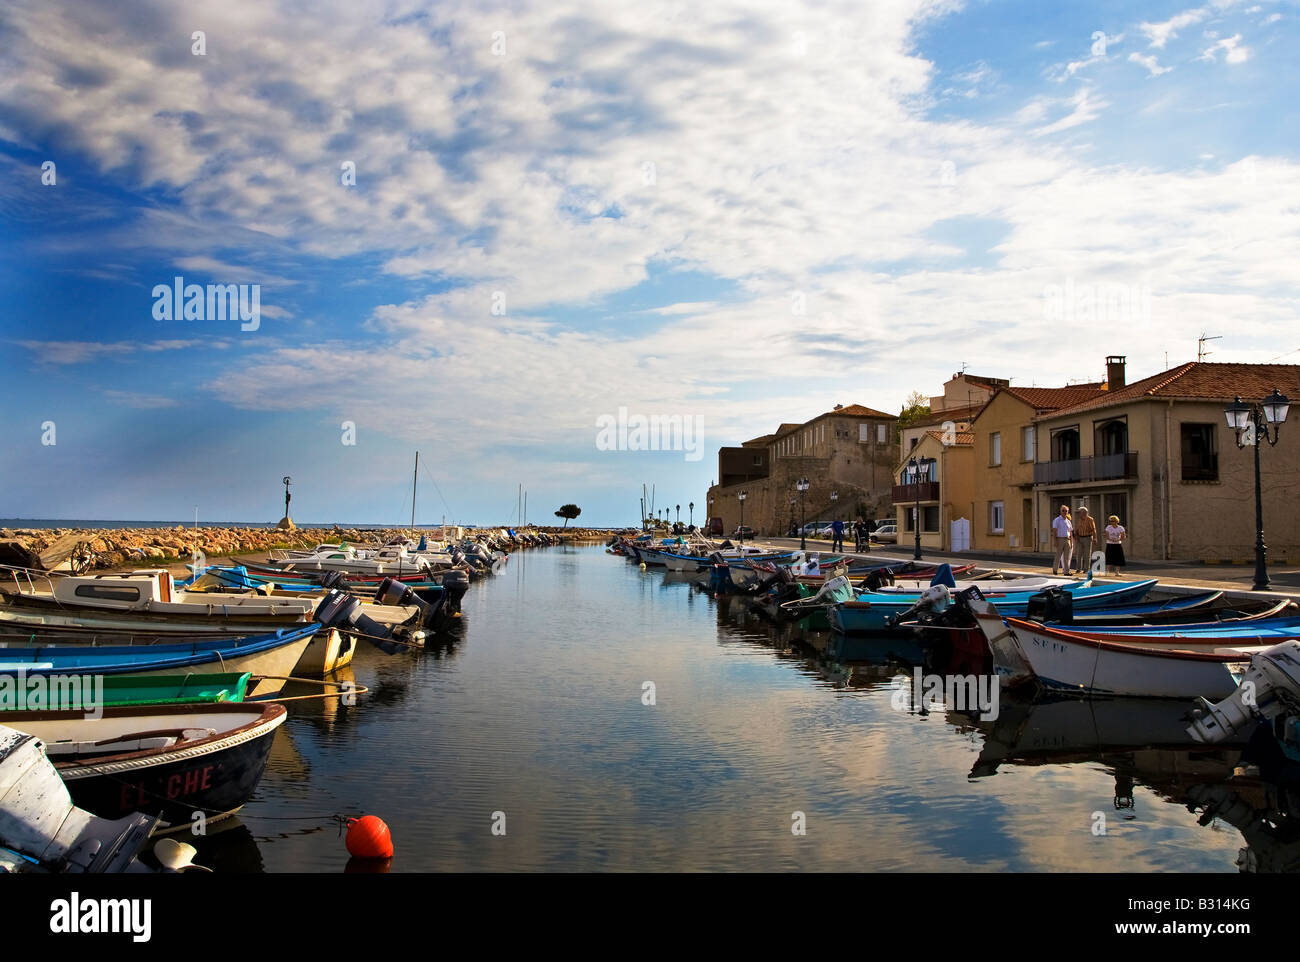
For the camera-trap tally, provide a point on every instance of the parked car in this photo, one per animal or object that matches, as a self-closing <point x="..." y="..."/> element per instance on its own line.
<point x="745" y="531"/>
<point x="887" y="532"/>
<point x="714" y="526"/>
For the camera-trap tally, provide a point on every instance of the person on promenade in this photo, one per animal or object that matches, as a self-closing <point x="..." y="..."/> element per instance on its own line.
<point x="859" y="533"/>
<point x="1063" y="529"/>
<point x="1115" y="538"/>
<point x="837" y="535"/>
<point x="1085" y="529"/>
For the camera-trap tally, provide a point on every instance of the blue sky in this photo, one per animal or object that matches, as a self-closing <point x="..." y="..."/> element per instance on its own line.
<point x="741" y="215"/>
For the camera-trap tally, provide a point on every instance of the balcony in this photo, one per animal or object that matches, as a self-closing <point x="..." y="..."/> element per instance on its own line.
<point x="1102" y="467"/>
<point x="909" y="493"/>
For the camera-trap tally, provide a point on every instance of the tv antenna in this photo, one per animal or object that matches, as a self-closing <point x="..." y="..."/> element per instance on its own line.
<point x="1201" y="352"/>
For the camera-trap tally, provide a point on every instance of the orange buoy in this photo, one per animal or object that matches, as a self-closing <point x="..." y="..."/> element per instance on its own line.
<point x="368" y="837"/>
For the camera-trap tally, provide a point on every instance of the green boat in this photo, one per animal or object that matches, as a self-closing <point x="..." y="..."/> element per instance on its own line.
<point x="71" y="692"/>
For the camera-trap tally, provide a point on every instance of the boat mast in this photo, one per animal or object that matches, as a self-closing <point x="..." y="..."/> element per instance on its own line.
<point x="414" y="477"/>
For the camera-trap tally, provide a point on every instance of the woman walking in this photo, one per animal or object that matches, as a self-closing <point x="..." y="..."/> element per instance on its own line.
<point x="1115" y="537"/>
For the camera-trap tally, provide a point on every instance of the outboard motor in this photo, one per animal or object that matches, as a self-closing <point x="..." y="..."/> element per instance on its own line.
<point x="1270" y="687"/>
<point x="1055" y="605"/>
<point x="343" y="611"/>
<point x="332" y="579"/>
<point x="455" y="583"/>
<point x="392" y="592"/>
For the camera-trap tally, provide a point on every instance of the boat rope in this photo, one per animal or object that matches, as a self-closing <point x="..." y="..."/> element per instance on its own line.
<point x="338" y="685"/>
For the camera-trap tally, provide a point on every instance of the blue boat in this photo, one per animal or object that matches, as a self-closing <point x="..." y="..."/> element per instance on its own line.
<point x="270" y="658"/>
<point x="872" y="610"/>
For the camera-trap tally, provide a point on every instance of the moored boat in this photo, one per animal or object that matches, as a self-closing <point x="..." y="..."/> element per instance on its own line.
<point x="167" y="760"/>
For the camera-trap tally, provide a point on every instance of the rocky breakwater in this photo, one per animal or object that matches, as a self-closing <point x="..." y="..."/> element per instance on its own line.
<point x="129" y="547"/>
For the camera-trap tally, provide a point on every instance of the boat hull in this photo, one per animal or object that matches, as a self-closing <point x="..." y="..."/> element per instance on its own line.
<point x="215" y="775"/>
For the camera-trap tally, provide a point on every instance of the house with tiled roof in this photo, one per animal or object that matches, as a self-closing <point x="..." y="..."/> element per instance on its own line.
<point x="933" y="487"/>
<point x="847" y="454"/>
<point x="1001" y="511"/>
<point x="1158" y="453"/>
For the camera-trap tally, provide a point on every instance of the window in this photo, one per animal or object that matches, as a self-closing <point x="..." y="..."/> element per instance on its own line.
<point x="882" y="433"/>
<point x="108" y="593"/>
<point x="1027" y="443"/>
<point x="758" y="460"/>
<point x="862" y="433"/>
<point x="914" y="440"/>
<point x="995" y="448"/>
<point x="930" y="518"/>
<point x="996" y="517"/>
<point x="1200" y="454"/>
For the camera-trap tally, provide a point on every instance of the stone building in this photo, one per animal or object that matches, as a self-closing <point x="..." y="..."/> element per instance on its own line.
<point x="847" y="454"/>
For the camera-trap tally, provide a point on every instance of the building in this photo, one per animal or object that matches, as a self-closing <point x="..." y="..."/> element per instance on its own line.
<point x="1158" y="453"/>
<point x="847" y="454"/>
<point x="1003" y="516"/>
<point x="962" y="398"/>
<point x="936" y="480"/>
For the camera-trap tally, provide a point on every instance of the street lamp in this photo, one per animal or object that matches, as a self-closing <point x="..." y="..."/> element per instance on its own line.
<point x="916" y="465"/>
<point x="691" y="519"/>
<point x="679" y="514"/>
<point x="1249" y="422"/>
<point x="802" y="487"/>
<point x="742" y="496"/>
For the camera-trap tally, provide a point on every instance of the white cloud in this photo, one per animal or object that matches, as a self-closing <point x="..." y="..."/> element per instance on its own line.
<point x="1149" y="61"/>
<point x="1233" y="52"/>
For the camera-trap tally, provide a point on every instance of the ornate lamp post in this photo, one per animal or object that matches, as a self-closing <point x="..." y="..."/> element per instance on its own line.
<point x="1250" y="422"/>
<point x="802" y="487"/>
<point x="742" y="496"/>
<point x="679" y="514"/>
<point x="916" y="464"/>
<point x="691" y="518"/>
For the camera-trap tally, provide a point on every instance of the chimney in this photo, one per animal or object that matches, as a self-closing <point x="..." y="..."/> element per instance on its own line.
<point x="838" y="406"/>
<point x="1115" y="372"/>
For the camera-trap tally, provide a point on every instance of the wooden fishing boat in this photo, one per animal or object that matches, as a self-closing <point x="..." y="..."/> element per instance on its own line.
<point x="872" y="611"/>
<point x="122" y="691"/>
<point x="41" y="830"/>
<point x="268" y="658"/>
<point x="165" y="760"/>
<point x="1070" y="661"/>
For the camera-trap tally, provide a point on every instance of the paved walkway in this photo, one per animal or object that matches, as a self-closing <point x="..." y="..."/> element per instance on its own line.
<point x="1285" y="580"/>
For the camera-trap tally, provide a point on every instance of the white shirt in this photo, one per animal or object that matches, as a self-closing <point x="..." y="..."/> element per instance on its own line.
<point x="1063" y="526"/>
<point x="1114" y="533"/>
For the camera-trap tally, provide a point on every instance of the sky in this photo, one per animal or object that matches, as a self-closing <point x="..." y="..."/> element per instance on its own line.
<point x="489" y="231"/>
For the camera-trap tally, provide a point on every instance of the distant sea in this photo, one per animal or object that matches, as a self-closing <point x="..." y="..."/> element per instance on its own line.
<point x="85" y="523"/>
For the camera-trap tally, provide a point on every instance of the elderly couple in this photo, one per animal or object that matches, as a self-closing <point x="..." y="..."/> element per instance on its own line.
<point x="1074" y="539"/>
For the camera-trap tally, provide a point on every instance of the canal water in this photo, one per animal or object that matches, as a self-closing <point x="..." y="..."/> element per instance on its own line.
<point x="593" y="716"/>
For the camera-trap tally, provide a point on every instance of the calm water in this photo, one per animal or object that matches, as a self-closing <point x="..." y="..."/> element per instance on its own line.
<point x="536" y="711"/>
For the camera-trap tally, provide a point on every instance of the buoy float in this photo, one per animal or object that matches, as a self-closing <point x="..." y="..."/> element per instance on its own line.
<point x="368" y="837"/>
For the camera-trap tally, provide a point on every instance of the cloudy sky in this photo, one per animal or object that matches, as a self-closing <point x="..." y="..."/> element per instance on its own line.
<point x="478" y="228"/>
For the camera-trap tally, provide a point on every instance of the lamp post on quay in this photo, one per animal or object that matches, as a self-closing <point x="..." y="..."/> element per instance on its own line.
<point x="742" y="496"/>
<point x="1250" y="422"/>
<point x="916" y="465"/>
<point x="691" y="518"/>
<point x="802" y="487"/>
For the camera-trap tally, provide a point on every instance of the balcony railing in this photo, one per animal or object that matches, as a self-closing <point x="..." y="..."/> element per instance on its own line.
<point x="908" y="493"/>
<point x="1101" y="467"/>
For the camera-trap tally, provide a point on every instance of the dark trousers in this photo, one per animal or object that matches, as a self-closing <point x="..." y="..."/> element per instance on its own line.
<point x="837" y="542"/>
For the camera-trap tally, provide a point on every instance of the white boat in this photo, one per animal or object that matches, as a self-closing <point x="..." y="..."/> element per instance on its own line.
<point x="42" y="831"/>
<point x="1031" y="585"/>
<point x="1066" y="661"/>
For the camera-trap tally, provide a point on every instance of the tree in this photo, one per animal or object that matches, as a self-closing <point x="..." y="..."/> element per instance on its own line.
<point x="916" y="407"/>
<point x="568" y="512"/>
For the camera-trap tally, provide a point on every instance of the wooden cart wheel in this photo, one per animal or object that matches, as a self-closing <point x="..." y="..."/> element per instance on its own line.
<point x="82" y="558"/>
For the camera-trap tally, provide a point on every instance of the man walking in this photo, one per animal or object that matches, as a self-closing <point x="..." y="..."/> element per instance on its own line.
<point x="1085" y="529"/>
<point x="1063" y="529"/>
<point x="837" y="535"/>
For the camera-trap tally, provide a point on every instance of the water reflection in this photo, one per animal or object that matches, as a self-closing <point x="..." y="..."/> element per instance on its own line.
<point x="534" y="707"/>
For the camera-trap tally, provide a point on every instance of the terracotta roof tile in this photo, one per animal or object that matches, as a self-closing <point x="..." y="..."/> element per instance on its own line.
<point x="1201" y="381"/>
<point x="1051" y="398"/>
<point x="963" y="437"/>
